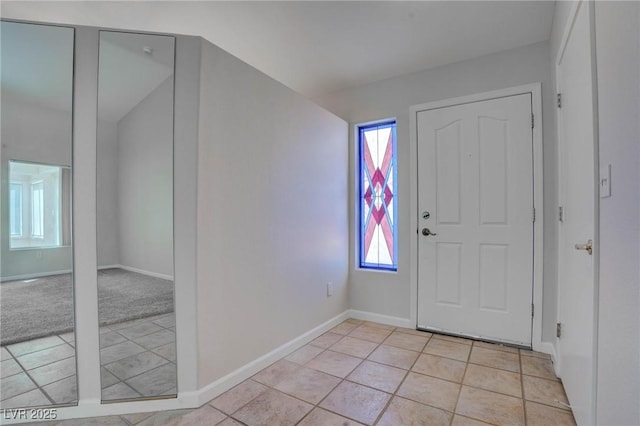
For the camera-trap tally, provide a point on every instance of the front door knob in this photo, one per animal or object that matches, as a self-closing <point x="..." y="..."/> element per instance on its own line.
<point x="426" y="232"/>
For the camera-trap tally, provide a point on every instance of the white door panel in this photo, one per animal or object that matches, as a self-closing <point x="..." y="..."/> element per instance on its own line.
<point x="475" y="178"/>
<point x="576" y="287"/>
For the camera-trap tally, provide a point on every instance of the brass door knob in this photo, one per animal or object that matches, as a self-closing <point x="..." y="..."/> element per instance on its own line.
<point x="588" y="247"/>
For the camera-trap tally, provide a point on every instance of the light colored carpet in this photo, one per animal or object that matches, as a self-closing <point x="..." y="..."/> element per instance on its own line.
<point x="44" y="306"/>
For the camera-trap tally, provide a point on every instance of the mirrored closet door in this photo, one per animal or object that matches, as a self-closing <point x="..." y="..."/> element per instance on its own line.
<point x="38" y="359"/>
<point x="135" y="215"/>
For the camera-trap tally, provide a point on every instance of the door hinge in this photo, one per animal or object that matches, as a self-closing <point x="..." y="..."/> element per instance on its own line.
<point x="533" y="121"/>
<point x="559" y="100"/>
<point x="532" y="310"/>
<point x="533" y="216"/>
<point x="558" y="330"/>
<point x="561" y="214"/>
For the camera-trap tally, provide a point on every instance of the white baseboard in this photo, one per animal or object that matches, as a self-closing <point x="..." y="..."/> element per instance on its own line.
<point x="91" y="408"/>
<point x="382" y="319"/>
<point x="68" y="271"/>
<point x="238" y="376"/>
<point x="38" y="275"/>
<point x="203" y="395"/>
<point x="194" y="399"/>
<point x="139" y="271"/>
<point x="549" y="348"/>
<point x="100" y="268"/>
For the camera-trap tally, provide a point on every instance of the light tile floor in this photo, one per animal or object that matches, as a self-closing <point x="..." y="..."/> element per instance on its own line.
<point x="367" y="373"/>
<point x="138" y="358"/>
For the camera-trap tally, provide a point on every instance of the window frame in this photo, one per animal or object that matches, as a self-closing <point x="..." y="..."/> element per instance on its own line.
<point x="18" y="217"/>
<point x="360" y="129"/>
<point x="39" y="210"/>
<point x="45" y="183"/>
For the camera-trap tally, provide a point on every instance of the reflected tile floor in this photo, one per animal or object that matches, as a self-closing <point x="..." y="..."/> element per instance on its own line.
<point x="138" y="358"/>
<point x="366" y="373"/>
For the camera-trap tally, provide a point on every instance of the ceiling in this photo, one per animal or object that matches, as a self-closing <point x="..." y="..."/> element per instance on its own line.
<point x="37" y="64"/>
<point x="37" y="67"/>
<point x="318" y="47"/>
<point x="127" y="74"/>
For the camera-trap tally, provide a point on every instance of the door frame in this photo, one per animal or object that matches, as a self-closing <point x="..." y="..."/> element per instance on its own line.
<point x="570" y="22"/>
<point x="538" y="235"/>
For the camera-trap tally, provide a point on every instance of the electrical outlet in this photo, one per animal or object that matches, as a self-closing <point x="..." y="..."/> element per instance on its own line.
<point x="329" y="289"/>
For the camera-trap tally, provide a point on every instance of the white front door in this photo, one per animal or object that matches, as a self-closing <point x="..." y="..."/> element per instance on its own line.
<point x="576" y="286"/>
<point x="475" y="201"/>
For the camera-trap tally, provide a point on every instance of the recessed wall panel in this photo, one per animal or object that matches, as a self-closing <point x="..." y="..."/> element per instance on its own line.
<point x="494" y="276"/>
<point x="448" y="267"/>
<point x="492" y="191"/>
<point x="448" y="178"/>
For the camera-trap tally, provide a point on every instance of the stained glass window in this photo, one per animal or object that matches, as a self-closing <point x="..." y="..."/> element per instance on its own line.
<point x="377" y="196"/>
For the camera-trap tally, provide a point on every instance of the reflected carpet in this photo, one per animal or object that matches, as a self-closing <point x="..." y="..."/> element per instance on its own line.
<point x="43" y="306"/>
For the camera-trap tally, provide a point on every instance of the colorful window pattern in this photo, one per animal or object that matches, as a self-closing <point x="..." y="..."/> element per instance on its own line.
<point x="378" y="199"/>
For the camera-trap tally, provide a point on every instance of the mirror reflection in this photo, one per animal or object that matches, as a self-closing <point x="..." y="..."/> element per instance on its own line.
<point x="38" y="363"/>
<point x="135" y="216"/>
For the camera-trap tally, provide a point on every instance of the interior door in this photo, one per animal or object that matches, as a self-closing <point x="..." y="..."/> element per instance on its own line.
<point x="576" y="294"/>
<point x="475" y="200"/>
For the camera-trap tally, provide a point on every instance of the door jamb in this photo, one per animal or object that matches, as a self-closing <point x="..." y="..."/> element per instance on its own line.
<point x="538" y="235"/>
<point x="573" y="14"/>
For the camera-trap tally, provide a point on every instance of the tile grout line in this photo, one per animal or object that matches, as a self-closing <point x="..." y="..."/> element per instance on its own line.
<point x="137" y="375"/>
<point x="407" y="371"/>
<point x="379" y="344"/>
<point x="63" y="342"/>
<point x="26" y="372"/>
<point x="305" y="366"/>
<point x="404" y="378"/>
<point x="133" y="340"/>
<point x="466" y="366"/>
<point x="524" y="404"/>
<point x="38" y="386"/>
<point x="344" y="379"/>
<point x="394" y="394"/>
<point x="360" y="363"/>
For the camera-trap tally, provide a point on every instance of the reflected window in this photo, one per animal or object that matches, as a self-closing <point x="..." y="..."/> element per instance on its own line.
<point x="37" y="213"/>
<point x="37" y="210"/>
<point x="15" y="210"/>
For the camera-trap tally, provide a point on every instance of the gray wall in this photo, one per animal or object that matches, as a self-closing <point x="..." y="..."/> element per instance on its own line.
<point x="618" y="67"/>
<point x="145" y="183"/>
<point x="49" y="141"/>
<point x="272" y="215"/>
<point x="107" y="192"/>
<point x="389" y="293"/>
<point x="135" y="186"/>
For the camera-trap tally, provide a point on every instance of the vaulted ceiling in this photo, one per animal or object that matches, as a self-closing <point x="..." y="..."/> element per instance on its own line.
<point x="37" y="67"/>
<point x="317" y="47"/>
